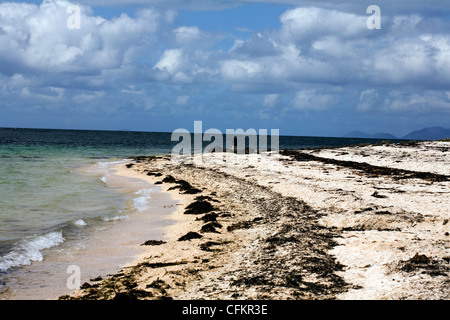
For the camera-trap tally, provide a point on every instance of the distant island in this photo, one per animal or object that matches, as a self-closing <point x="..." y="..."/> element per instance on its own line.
<point x="378" y="135"/>
<point x="431" y="133"/>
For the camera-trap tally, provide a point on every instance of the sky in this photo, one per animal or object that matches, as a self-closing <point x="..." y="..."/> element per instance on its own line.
<point x="307" y="68"/>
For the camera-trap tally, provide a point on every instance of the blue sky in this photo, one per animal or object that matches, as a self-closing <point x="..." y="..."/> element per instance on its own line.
<point x="303" y="67"/>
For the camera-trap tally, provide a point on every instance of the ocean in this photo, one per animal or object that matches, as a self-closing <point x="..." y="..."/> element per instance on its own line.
<point x="58" y="192"/>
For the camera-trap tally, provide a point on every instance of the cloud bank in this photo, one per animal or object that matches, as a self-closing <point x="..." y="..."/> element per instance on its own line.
<point x="320" y="58"/>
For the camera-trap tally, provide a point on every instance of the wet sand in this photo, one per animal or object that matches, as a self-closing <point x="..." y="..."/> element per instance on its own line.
<point x="367" y="222"/>
<point x="102" y="252"/>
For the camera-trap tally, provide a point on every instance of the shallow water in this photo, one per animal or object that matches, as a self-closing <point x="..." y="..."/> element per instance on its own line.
<point x="101" y="249"/>
<point x="57" y="190"/>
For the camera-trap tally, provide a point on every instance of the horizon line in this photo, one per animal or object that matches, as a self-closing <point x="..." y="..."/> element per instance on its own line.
<point x="169" y="132"/>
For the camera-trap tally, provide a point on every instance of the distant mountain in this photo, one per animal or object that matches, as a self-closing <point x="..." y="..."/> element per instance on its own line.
<point x="431" y="133"/>
<point x="378" y="135"/>
<point x="358" y="134"/>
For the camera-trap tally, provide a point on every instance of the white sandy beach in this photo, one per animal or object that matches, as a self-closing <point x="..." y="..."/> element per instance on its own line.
<point x="289" y="229"/>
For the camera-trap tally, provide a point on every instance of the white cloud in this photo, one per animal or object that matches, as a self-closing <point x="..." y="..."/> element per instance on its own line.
<point x="132" y="90"/>
<point x="270" y="100"/>
<point x="315" y="47"/>
<point x="172" y="60"/>
<point x="400" y="101"/>
<point x="194" y="39"/>
<point x="87" y="97"/>
<point x="37" y="38"/>
<point x="187" y="35"/>
<point x="182" y="78"/>
<point x="240" y="70"/>
<point x="178" y="65"/>
<point x="418" y="102"/>
<point x="258" y="45"/>
<point x="182" y="100"/>
<point x="307" y="23"/>
<point x="368" y="100"/>
<point x="47" y="95"/>
<point x="313" y="99"/>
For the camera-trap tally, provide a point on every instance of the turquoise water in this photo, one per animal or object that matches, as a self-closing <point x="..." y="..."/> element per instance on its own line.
<point x="52" y="186"/>
<point x="45" y="201"/>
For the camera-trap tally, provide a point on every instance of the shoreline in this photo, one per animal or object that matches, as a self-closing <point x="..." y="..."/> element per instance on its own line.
<point x="98" y="251"/>
<point x="302" y="227"/>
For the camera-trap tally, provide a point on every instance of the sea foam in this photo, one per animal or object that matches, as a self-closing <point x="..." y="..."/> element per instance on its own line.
<point x="80" y="223"/>
<point x="116" y="218"/>
<point x="29" y="249"/>
<point x="141" y="203"/>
